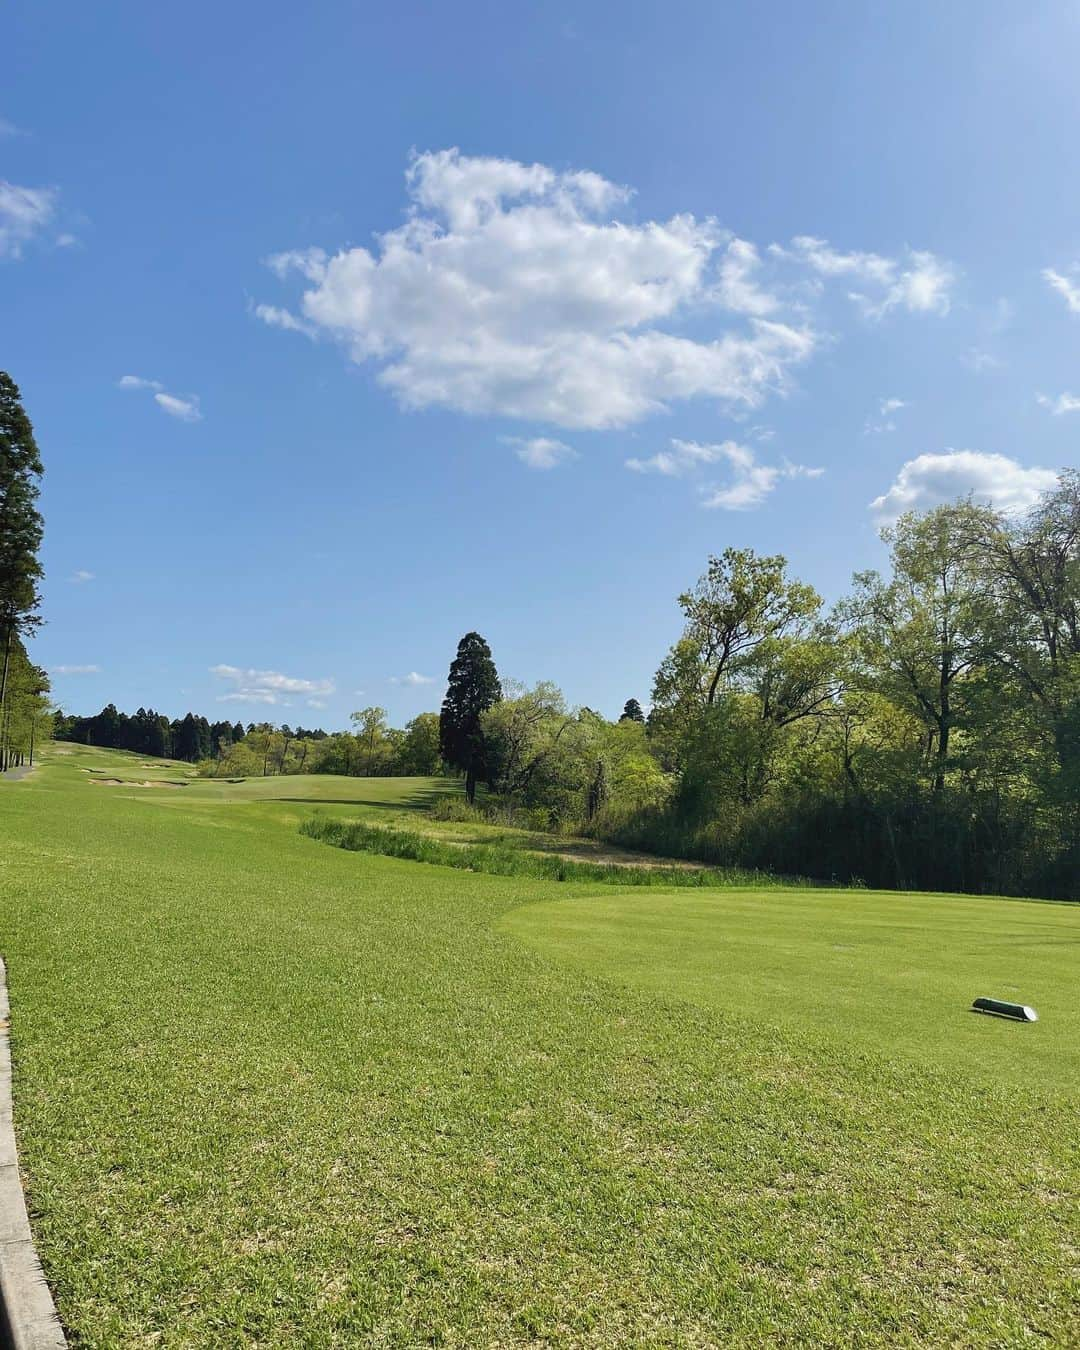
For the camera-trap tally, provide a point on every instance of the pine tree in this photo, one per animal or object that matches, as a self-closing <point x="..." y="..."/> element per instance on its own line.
<point x="20" y="536"/>
<point x="632" y="711"/>
<point x="472" y="689"/>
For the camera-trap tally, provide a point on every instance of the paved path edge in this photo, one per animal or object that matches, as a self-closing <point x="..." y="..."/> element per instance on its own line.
<point x="28" y="1319"/>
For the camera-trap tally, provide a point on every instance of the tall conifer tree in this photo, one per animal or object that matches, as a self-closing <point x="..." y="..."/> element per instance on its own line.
<point x="472" y="689"/>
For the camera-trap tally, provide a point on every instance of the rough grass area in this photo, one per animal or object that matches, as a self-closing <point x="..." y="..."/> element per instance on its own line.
<point x="505" y="859"/>
<point x="271" y="1093"/>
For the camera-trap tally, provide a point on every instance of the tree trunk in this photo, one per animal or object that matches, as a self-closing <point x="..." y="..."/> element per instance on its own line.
<point x="470" y="785"/>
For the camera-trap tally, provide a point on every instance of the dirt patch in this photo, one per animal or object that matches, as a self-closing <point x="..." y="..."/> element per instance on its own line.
<point x="610" y="856"/>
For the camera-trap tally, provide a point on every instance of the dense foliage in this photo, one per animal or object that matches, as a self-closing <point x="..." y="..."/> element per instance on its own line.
<point x="923" y="734"/>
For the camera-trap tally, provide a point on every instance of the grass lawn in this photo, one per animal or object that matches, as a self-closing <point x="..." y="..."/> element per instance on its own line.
<point x="271" y="1092"/>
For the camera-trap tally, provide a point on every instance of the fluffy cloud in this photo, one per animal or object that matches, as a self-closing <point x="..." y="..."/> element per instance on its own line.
<point x="1064" y="403"/>
<point x="514" y="289"/>
<point x="184" y="409"/>
<point x="24" y="212"/>
<point x="920" y="282"/>
<point x="413" y="679"/>
<point x="1067" y="287"/>
<point x="540" y="452"/>
<point x="74" y="670"/>
<point x="266" y="686"/>
<point x="749" y="482"/>
<point x="930" y="479"/>
<point x="81" y="576"/>
<point x="522" y="291"/>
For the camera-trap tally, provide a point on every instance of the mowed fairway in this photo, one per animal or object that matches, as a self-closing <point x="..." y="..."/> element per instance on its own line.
<point x="271" y="1092"/>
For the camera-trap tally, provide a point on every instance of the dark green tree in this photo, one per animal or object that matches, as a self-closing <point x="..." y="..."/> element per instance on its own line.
<point x="20" y="535"/>
<point x="472" y="689"/>
<point x="632" y="711"/>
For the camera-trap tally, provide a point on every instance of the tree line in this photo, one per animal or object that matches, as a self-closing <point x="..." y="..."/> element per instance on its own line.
<point x="923" y="733"/>
<point x="263" y="749"/>
<point x="147" y="732"/>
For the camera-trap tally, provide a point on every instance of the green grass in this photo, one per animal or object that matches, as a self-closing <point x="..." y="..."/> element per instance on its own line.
<point x="273" y="1093"/>
<point x="506" y="859"/>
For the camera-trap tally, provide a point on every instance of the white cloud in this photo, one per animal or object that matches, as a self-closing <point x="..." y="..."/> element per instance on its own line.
<point x="920" y="283"/>
<point x="683" y="458"/>
<point x="74" y="670"/>
<point x="81" y="576"/>
<point x="928" y="480"/>
<point x="737" y="288"/>
<point x="266" y="686"/>
<point x="413" y="678"/>
<point x="540" y="452"/>
<point x="1067" y="288"/>
<point x="1064" y="403"/>
<point x="282" y="318"/>
<point x="24" y="212"/>
<point x="886" y="408"/>
<point x="315" y="703"/>
<point x="750" y="482"/>
<point x="186" y="409"/>
<point x="515" y="289"/>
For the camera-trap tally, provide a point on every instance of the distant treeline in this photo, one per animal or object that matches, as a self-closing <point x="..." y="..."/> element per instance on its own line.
<point x="147" y="732"/>
<point x="263" y="748"/>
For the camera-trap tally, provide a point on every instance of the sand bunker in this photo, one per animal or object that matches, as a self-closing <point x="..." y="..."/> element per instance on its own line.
<point x="121" y="782"/>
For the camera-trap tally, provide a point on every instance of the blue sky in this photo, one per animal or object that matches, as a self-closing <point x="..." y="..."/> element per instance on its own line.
<point x="506" y="316"/>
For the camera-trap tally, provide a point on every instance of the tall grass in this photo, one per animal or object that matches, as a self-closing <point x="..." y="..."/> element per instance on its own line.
<point x="504" y="860"/>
